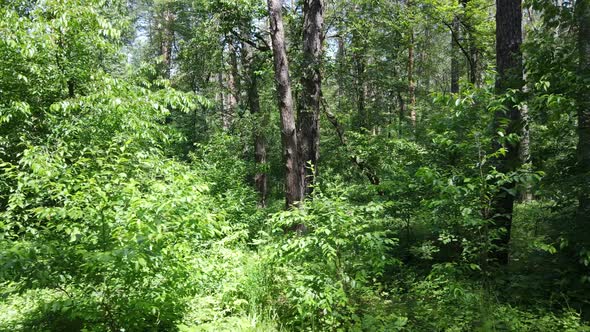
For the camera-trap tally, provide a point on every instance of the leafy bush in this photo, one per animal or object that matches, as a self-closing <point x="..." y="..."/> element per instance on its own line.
<point x="325" y="278"/>
<point x="443" y="301"/>
<point x="100" y="215"/>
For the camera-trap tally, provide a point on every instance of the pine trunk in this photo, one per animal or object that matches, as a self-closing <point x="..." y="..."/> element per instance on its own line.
<point x="455" y="55"/>
<point x="167" y="42"/>
<point x="509" y="76"/>
<point x="411" y="83"/>
<point x="309" y="110"/>
<point x="359" y="61"/>
<point x="583" y="110"/>
<point x="472" y="47"/>
<point x="251" y="65"/>
<point x="232" y="86"/>
<point x="293" y="188"/>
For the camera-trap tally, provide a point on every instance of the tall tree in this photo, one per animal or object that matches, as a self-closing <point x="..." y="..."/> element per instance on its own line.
<point x="359" y="59"/>
<point x="455" y="74"/>
<point x="411" y="64"/>
<point x="293" y="183"/>
<point x="232" y="82"/>
<point x="472" y="56"/>
<point x="583" y="110"/>
<point x="411" y="81"/>
<point x="166" y="26"/>
<point x="308" y="123"/>
<point x="509" y="76"/>
<point x="252" y="65"/>
<point x="525" y="192"/>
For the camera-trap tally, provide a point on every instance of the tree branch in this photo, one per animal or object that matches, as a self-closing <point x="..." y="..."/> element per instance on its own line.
<point x="363" y="167"/>
<point x="456" y="40"/>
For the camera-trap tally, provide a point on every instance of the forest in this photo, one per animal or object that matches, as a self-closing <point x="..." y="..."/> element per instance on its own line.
<point x="300" y="165"/>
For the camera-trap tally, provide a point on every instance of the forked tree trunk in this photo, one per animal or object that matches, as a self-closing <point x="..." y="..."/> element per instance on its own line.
<point x="510" y="76"/>
<point x="293" y="188"/>
<point x="308" y="123"/>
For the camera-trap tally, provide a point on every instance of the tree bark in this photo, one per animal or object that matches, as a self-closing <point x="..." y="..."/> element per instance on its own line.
<point x="360" y="63"/>
<point x="411" y="83"/>
<point x="526" y="194"/>
<point x="473" y="61"/>
<point x="221" y="94"/>
<point x="167" y="41"/>
<point x="340" y="65"/>
<point x="71" y="88"/>
<point x="293" y="187"/>
<point x="455" y="55"/>
<point x="232" y="86"/>
<point x="583" y="110"/>
<point x="509" y="76"/>
<point x="251" y="65"/>
<point x="401" y="114"/>
<point x="472" y="55"/>
<point x="526" y="191"/>
<point x="309" y="111"/>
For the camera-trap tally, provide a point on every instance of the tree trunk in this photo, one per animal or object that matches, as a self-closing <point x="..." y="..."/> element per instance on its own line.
<point x="411" y="83"/>
<point x="293" y="188"/>
<point x="472" y="55"/>
<point x="526" y="194"/>
<point x="251" y="65"/>
<point x="221" y="94"/>
<point x="583" y="110"/>
<point x="473" y="61"/>
<point x="526" y="191"/>
<point x="71" y="88"/>
<point x="359" y="61"/>
<point x="455" y="55"/>
<point x="167" y="41"/>
<point x="401" y="114"/>
<point x="309" y="110"/>
<point x="340" y="65"/>
<point x="232" y="86"/>
<point x="510" y="76"/>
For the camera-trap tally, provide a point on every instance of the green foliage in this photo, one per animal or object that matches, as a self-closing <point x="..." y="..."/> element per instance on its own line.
<point x="94" y="213"/>
<point x="444" y="302"/>
<point x="50" y="52"/>
<point x="325" y="277"/>
<point x="125" y="206"/>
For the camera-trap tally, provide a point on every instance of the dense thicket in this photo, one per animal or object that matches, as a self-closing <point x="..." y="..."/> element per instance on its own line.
<point x="434" y="157"/>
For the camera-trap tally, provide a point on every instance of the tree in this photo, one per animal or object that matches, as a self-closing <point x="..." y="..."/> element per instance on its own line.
<point x="455" y="74"/>
<point x="359" y="60"/>
<point x="165" y="21"/>
<point x="232" y="90"/>
<point x="293" y="181"/>
<point x="308" y="119"/>
<point x="411" y="82"/>
<point x="472" y="56"/>
<point x="508" y="119"/>
<point x="252" y="65"/>
<point x="583" y="112"/>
